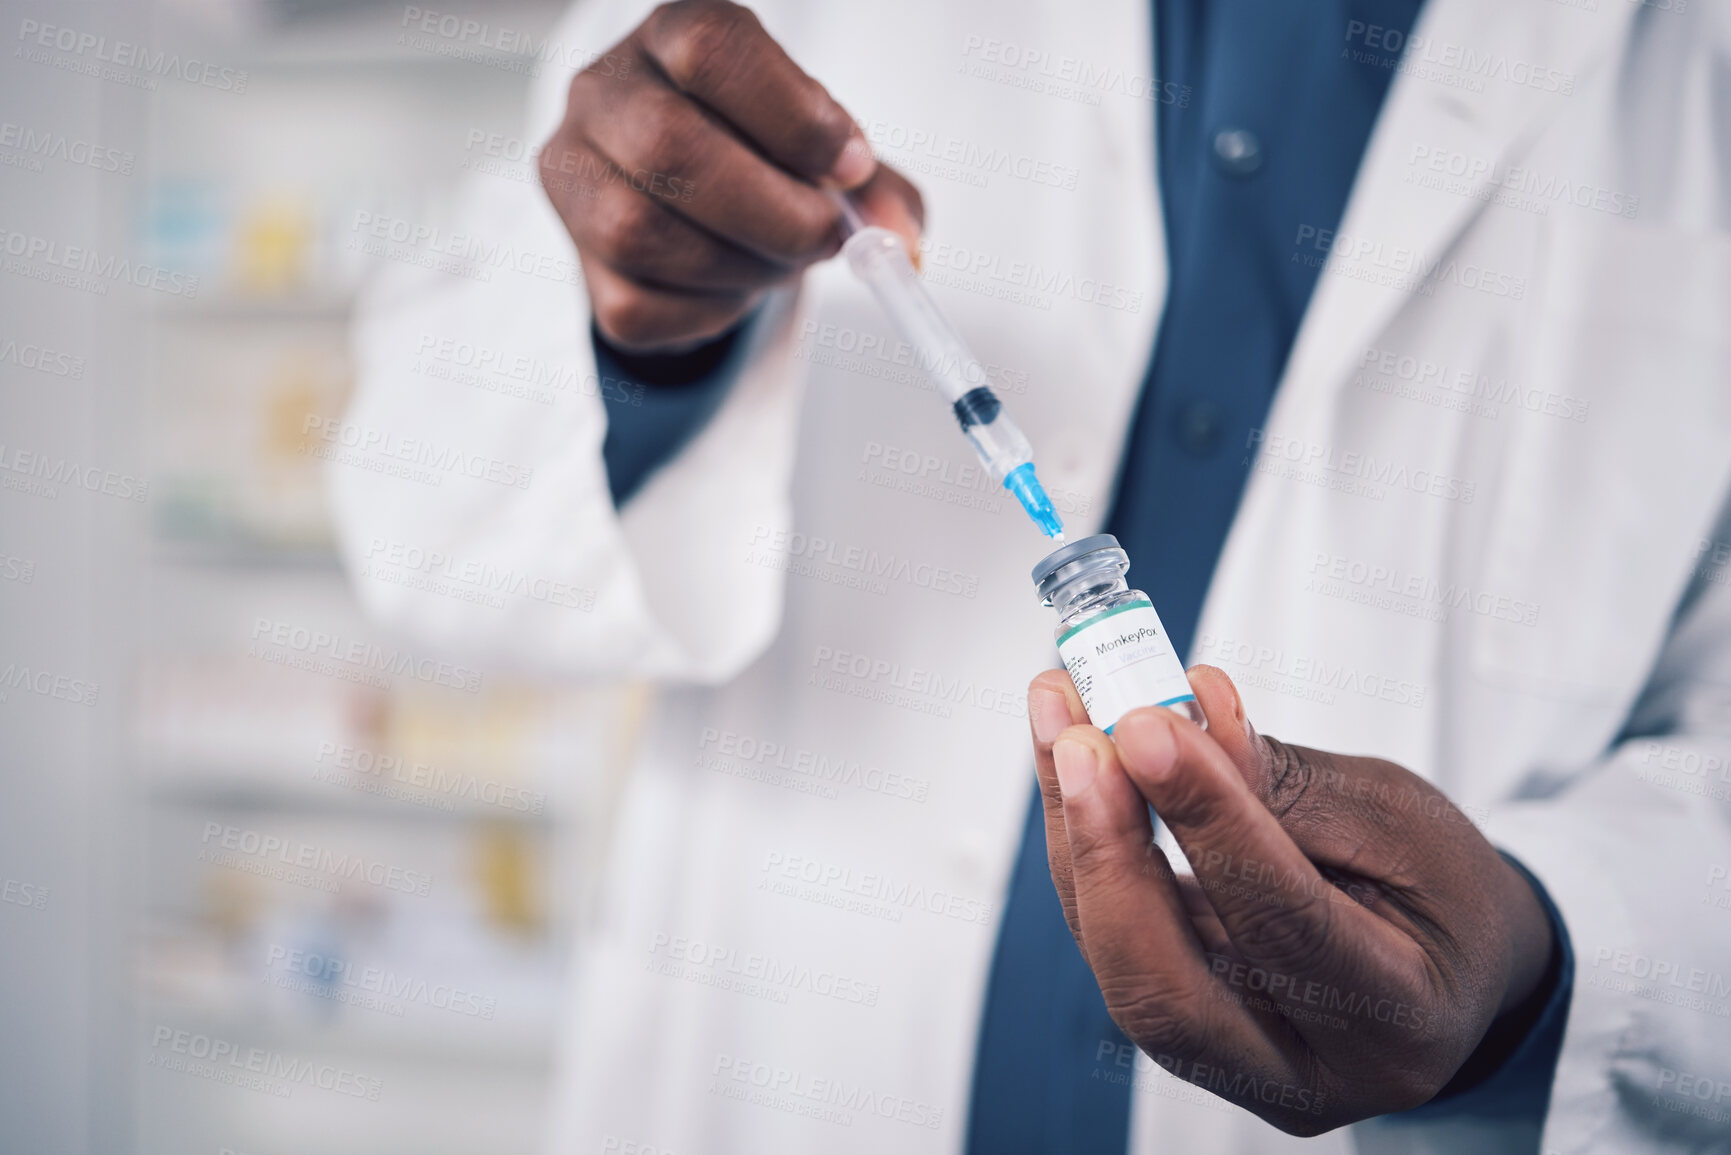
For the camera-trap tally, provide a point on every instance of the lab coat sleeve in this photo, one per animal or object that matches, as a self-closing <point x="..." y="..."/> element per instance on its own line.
<point x="1634" y="852"/>
<point x="529" y="563"/>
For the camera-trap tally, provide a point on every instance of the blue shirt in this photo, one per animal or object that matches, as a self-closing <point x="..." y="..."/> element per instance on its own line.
<point x="1265" y="133"/>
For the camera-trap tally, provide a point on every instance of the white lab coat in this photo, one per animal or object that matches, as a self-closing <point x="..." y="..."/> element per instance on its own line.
<point x="1489" y="596"/>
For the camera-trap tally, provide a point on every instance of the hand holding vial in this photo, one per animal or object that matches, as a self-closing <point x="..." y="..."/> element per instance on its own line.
<point x="1348" y="937"/>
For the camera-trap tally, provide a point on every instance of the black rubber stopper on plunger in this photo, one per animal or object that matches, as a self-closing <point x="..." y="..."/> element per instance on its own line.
<point x="978" y="407"/>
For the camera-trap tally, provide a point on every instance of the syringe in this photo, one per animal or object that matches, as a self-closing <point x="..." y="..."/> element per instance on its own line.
<point x="878" y="257"/>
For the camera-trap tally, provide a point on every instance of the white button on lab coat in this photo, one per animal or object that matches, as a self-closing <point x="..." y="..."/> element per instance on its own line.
<point x="1477" y="539"/>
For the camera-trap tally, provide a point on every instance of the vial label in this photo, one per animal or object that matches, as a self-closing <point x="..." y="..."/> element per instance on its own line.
<point x="1122" y="660"/>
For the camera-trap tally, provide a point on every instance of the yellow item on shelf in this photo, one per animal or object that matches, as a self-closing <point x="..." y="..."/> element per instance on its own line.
<point x="271" y="250"/>
<point x="505" y="869"/>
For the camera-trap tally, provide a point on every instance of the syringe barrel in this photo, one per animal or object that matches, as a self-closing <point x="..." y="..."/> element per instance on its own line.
<point x="1005" y="450"/>
<point x="1000" y="443"/>
<point x="878" y="258"/>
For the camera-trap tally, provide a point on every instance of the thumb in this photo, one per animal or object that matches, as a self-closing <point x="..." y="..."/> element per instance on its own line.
<point x="1130" y="918"/>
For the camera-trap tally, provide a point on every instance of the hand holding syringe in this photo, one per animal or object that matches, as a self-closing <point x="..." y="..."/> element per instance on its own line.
<point x="879" y="258"/>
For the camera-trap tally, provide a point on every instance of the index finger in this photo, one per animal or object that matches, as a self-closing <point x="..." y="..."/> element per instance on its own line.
<point x="1053" y="707"/>
<point x="1135" y="927"/>
<point x="719" y="54"/>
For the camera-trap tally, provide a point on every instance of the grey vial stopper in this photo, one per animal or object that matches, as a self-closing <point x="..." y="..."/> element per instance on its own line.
<point x="1047" y="567"/>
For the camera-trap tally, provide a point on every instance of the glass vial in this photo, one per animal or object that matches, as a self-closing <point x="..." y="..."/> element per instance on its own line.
<point x="1109" y="636"/>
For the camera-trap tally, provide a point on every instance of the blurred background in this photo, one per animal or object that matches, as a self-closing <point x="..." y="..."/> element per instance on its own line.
<point x="255" y="901"/>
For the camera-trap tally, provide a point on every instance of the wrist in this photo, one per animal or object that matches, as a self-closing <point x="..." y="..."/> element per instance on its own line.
<point x="683" y="366"/>
<point x="1527" y="1029"/>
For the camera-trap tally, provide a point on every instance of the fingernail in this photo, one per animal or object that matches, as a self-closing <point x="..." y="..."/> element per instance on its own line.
<point x="1238" y="712"/>
<point x="1049" y="713"/>
<point x="1145" y="741"/>
<point x="855" y="164"/>
<point x="1076" y="767"/>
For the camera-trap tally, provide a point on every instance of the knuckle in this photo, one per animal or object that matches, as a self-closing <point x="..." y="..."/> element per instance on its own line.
<point x="609" y="222"/>
<point x="557" y="159"/>
<point x="637" y="239"/>
<point x="1296" y="935"/>
<point x="577" y="93"/>
<point x="671" y="137"/>
<point x="1197" y="802"/>
<point x="631" y="319"/>
<point x="1155" y="1019"/>
<point x="1057" y="680"/>
<point x="705" y="40"/>
<point x="1057" y="844"/>
<point x="800" y="233"/>
<point x="824" y="132"/>
<point x="1089" y="852"/>
<point x="1287" y="775"/>
<point x="587" y="98"/>
<point x="810" y="237"/>
<point x="1105" y="858"/>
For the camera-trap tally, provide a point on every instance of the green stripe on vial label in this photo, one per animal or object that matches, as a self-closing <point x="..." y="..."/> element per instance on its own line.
<point x="1122" y="660"/>
<point x="1092" y="622"/>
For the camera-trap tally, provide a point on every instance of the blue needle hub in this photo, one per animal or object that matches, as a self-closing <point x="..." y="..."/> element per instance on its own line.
<point x="1028" y="490"/>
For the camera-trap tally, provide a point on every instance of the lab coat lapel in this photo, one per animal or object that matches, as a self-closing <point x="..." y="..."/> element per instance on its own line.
<point x="1349" y="312"/>
<point x="1391" y="221"/>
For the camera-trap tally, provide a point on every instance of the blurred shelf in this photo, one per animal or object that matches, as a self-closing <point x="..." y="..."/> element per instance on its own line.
<point x="439" y="989"/>
<point x="246" y="555"/>
<point x="324" y="305"/>
<point x="433" y="1037"/>
<point x="253" y="189"/>
<point x="315" y="798"/>
<point x="287" y="36"/>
